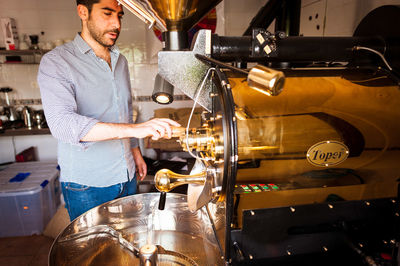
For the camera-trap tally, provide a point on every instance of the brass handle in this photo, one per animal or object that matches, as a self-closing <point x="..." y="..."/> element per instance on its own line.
<point x="166" y="180"/>
<point x="177" y="132"/>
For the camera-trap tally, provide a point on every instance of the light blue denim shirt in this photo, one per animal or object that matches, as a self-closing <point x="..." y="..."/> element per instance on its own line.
<point x="78" y="90"/>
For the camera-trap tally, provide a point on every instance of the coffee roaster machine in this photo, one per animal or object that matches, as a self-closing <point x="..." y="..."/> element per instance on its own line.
<point x="297" y="160"/>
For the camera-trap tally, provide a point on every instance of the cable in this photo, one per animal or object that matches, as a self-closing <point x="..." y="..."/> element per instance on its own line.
<point x="375" y="52"/>
<point x="219" y="63"/>
<point x="191" y="114"/>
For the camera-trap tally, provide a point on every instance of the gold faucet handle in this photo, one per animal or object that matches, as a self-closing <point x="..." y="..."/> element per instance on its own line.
<point x="177" y="132"/>
<point x="166" y="180"/>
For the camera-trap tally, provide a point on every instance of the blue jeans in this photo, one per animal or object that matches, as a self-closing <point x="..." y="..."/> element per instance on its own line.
<point x="80" y="198"/>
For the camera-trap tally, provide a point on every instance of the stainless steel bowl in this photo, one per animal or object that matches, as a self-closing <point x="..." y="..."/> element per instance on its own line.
<point x="107" y="234"/>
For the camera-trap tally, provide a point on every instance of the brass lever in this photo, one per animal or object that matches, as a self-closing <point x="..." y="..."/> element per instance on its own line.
<point x="177" y="132"/>
<point x="166" y="180"/>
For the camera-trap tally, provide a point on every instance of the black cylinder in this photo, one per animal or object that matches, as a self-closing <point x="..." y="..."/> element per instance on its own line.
<point x="175" y="40"/>
<point x="324" y="48"/>
<point x="295" y="49"/>
<point x="231" y="48"/>
<point x="161" y="203"/>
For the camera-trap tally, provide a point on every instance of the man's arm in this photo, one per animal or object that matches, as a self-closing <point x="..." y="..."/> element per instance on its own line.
<point x="58" y="98"/>
<point x="156" y="128"/>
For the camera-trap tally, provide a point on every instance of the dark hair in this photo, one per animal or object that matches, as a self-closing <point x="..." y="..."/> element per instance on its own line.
<point x="88" y="3"/>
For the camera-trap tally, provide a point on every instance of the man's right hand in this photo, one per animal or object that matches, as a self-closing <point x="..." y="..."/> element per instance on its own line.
<point x="156" y="128"/>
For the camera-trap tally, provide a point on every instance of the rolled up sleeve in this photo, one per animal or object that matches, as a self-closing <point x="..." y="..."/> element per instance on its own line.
<point x="58" y="100"/>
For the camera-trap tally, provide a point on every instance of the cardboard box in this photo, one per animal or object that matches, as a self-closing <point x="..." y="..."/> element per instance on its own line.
<point x="10" y="34"/>
<point x="180" y="115"/>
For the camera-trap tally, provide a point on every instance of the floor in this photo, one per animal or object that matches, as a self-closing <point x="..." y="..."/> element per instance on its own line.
<point x="25" y="250"/>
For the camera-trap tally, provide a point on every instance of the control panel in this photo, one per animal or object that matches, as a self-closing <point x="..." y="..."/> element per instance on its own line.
<point x="255" y="188"/>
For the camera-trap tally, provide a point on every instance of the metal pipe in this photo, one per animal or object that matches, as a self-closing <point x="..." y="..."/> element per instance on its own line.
<point x="231" y="48"/>
<point x="294" y="49"/>
<point x="175" y="40"/>
<point x="288" y="20"/>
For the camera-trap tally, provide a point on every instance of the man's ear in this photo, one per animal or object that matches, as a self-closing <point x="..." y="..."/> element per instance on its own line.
<point x="83" y="12"/>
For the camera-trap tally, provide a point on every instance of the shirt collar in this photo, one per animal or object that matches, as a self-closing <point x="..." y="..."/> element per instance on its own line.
<point x="84" y="47"/>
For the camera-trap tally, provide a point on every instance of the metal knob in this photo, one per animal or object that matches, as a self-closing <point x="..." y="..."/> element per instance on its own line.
<point x="148" y="255"/>
<point x="166" y="180"/>
<point x="177" y="132"/>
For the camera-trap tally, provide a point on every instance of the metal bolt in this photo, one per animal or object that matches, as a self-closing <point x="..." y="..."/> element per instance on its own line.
<point x="292" y="209"/>
<point x="252" y="213"/>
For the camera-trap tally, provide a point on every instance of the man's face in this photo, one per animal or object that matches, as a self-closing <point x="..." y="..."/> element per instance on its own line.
<point x="104" y="23"/>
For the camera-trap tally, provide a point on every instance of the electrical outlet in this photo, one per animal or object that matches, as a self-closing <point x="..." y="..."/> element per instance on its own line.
<point x="312" y="18"/>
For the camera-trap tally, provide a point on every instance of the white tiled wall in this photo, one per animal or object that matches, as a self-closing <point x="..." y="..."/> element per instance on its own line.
<point x="56" y="20"/>
<point x="336" y="17"/>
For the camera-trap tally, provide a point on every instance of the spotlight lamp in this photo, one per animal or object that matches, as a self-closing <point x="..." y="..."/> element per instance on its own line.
<point x="163" y="92"/>
<point x="266" y="80"/>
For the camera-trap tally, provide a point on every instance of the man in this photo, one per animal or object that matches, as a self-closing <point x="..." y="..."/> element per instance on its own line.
<point x="85" y="89"/>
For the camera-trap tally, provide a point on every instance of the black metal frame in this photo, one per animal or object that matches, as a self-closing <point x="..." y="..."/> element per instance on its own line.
<point x="295" y="234"/>
<point x="286" y="13"/>
<point x="225" y="100"/>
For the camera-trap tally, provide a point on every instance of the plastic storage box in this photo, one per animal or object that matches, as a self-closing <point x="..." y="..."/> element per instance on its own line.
<point x="29" y="197"/>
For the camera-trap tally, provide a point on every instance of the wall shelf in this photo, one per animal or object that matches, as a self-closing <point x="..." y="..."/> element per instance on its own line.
<point x="24" y="132"/>
<point x="24" y="57"/>
<point x="23" y="52"/>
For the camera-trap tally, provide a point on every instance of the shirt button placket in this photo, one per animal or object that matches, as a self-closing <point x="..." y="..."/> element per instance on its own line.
<point x="118" y="101"/>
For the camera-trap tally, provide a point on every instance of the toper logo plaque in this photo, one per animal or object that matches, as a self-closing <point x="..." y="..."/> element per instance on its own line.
<point x="327" y="153"/>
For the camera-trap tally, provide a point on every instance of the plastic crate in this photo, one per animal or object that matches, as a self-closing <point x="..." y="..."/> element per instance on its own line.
<point x="29" y="197"/>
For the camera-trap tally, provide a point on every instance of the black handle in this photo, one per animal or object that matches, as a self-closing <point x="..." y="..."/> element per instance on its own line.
<point x="5" y="89"/>
<point x="161" y="203"/>
<point x="239" y="253"/>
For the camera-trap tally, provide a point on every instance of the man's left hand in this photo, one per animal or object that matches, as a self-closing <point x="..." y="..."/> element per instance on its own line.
<point x="141" y="167"/>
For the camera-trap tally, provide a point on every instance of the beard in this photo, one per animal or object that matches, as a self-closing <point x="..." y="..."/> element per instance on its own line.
<point x="100" y="35"/>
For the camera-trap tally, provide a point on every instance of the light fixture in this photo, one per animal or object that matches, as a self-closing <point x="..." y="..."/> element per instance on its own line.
<point x="266" y="80"/>
<point x="163" y="92"/>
